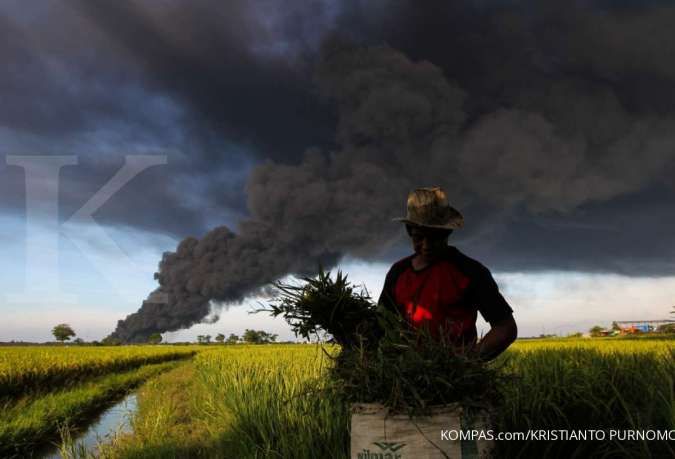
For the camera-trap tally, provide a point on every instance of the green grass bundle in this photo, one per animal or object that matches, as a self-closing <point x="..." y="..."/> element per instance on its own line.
<point x="382" y="359"/>
<point x="323" y="305"/>
<point x="411" y="371"/>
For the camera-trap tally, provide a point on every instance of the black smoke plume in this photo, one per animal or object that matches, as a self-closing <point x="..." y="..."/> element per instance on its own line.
<point x="400" y="124"/>
<point x="516" y="116"/>
<point x="330" y="204"/>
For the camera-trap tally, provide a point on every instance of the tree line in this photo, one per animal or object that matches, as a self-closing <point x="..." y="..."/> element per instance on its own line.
<point x="64" y="332"/>
<point x="249" y="337"/>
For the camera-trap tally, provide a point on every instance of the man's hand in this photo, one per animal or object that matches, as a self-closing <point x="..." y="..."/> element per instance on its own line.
<point x="500" y="336"/>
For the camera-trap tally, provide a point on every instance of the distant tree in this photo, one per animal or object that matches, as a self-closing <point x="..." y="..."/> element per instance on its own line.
<point x="258" y="337"/>
<point x="575" y="335"/>
<point x="63" y="332"/>
<point x="232" y="339"/>
<point x="615" y="326"/>
<point x="251" y="336"/>
<point x="666" y="328"/>
<point x="220" y="338"/>
<point x="155" y="338"/>
<point x="267" y="337"/>
<point x="204" y="339"/>
<point x="596" y="330"/>
<point x="78" y="341"/>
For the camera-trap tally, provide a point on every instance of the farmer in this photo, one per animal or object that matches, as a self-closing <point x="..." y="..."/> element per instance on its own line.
<point x="441" y="288"/>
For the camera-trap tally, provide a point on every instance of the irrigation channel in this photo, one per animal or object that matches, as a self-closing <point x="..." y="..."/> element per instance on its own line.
<point x="113" y="421"/>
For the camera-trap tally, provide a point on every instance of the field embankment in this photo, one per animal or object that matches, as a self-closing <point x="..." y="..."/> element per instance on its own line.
<point x="239" y="401"/>
<point x="44" y="389"/>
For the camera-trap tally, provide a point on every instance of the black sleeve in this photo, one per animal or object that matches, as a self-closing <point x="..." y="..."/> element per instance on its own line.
<point x="386" y="300"/>
<point x="487" y="298"/>
<point x="387" y="297"/>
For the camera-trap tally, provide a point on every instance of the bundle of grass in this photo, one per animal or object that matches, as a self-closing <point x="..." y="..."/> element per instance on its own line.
<point x="382" y="359"/>
<point x="326" y="306"/>
<point x="410" y="371"/>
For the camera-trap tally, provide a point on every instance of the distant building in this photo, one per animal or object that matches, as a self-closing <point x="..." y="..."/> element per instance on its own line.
<point x="629" y="327"/>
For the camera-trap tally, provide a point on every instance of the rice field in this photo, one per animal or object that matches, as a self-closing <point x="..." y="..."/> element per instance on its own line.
<point x="44" y="389"/>
<point x="33" y="368"/>
<point x="248" y="401"/>
<point x="589" y="384"/>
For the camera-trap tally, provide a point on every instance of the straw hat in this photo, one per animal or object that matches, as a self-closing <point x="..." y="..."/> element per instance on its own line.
<point x="429" y="207"/>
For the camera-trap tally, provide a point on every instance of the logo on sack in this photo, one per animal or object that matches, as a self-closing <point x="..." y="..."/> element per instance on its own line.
<point x="392" y="446"/>
<point x="390" y="451"/>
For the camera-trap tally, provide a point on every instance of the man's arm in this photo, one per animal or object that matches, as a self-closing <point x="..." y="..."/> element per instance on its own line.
<point x="495" y="310"/>
<point x="500" y="336"/>
<point x="385" y="300"/>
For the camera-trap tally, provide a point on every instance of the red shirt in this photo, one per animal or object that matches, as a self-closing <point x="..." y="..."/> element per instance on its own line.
<point x="445" y="296"/>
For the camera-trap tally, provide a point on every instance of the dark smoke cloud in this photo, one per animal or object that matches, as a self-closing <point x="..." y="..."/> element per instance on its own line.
<point x="550" y="124"/>
<point x="400" y="123"/>
<point x="329" y="204"/>
<point x="205" y="84"/>
<point x="224" y="82"/>
<point x="240" y="76"/>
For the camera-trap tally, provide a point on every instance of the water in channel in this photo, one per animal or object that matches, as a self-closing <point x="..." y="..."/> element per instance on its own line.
<point x="114" y="420"/>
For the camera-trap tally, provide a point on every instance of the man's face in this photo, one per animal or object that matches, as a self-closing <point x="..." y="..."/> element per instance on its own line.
<point x="428" y="243"/>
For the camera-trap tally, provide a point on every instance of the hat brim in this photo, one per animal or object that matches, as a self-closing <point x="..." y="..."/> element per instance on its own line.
<point x="455" y="224"/>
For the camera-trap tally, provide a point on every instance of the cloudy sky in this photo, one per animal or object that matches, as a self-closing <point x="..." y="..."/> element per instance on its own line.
<point x="241" y="142"/>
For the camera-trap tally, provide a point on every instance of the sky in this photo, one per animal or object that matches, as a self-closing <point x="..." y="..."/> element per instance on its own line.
<point x="162" y="162"/>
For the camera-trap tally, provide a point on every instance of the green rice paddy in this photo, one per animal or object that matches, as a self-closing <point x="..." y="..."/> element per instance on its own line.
<point x="255" y="401"/>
